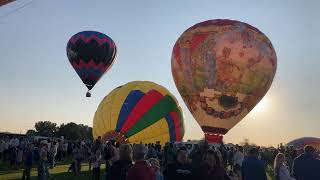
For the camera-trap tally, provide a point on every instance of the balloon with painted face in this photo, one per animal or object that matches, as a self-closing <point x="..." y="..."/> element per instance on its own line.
<point x="139" y="111"/>
<point x="222" y="69"/>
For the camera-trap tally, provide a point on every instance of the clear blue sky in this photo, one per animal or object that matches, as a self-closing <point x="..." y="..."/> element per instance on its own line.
<point x="38" y="83"/>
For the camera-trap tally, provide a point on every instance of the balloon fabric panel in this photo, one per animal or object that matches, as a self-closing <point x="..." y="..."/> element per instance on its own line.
<point x="128" y="105"/>
<point x="181" y="123"/>
<point x="145" y="103"/>
<point x="155" y="131"/>
<point x="163" y="107"/>
<point x="172" y="126"/>
<point x="107" y="105"/>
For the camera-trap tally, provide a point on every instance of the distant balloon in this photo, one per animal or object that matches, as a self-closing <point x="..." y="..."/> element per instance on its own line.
<point x="222" y="69"/>
<point x="301" y="142"/>
<point x="91" y="54"/>
<point x="139" y="111"/>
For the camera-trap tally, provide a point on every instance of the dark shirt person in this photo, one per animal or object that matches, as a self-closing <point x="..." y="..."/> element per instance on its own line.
<point x="253" y="168"/>
<point x="28" y="163"/>
<point x="306" y="166"/>
<point x="179" y="170"/>
<point x="197" y="154"/>
<point x="119" y="169"/>
<point x="211" y="167"/>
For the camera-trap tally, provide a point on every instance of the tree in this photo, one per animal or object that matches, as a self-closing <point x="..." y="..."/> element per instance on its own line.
<point x="74" y="131"/>
<point x="46" y="128"/>
<point x="31" y="132"/>
<point x="69" y="131"/>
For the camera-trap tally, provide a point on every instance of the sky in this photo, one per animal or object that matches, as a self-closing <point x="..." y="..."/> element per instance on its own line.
<point x="39" y="84"/>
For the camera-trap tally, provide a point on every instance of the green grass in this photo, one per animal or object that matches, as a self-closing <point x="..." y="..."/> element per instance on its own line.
<point x="60" y="172"/>
<point x="270" y="174"/>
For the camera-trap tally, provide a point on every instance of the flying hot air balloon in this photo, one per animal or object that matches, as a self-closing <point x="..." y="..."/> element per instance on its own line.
<point x="139" y="111"/>
<point x="222" y="69"/>
<point x="91" y="54"/>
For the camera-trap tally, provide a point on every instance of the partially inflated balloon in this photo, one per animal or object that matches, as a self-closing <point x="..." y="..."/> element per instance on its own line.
<point x="222" y="69"/>
<point x="139" y="111"/>
<point x="91" y="54"/>
<point x="301" y="142"/>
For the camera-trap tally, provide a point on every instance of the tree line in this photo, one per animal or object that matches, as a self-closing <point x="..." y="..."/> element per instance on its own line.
<point x="70" y="131"/>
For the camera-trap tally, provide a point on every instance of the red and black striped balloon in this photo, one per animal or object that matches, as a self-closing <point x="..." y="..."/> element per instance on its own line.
<point x="91" y="54"/>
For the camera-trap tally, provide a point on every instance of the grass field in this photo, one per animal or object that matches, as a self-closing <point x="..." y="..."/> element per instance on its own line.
<point x="60" y="172"/>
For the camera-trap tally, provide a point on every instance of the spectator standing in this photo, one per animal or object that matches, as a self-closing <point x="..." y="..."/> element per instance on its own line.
<point x="306" y="166"/>
<point x="155" y="165"/>
<point x="180" y="169"/>
<point x="281" y="171"/>
<point x="141" y="170"/>
<point x="211" y="167"/>
<point x="28" y="163"/>
<point x="253" y="168"/>
<point x="96" y="166"/>
<point x="120" y="168"/>
<point x="238" y="160"/>
<point x="43" y="172"/>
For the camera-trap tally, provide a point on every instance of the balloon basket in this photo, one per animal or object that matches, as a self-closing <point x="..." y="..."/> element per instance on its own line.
<point x="115" y="136"/>
<point x="213" y="138"/>
<point x="88" y="94"/>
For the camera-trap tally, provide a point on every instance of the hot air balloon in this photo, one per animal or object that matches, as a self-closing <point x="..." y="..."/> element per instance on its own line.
<point x="91" y="54"/>
<point x="222" y="69"/>
<point x="301" y="142"/>
<point x="139" y="111"/>
<point x="4" y="2"/>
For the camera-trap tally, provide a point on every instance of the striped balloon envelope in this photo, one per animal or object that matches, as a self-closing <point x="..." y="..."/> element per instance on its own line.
<point x="301" y="142"/>
<point x="139" y="111"/>
<point x="91" y="54"/>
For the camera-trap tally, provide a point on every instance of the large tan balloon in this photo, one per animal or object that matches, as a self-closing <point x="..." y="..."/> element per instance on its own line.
<point x="222" y="69"/>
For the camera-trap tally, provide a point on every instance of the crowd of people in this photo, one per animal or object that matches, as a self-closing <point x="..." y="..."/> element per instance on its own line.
<point x="170" y="162"/>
